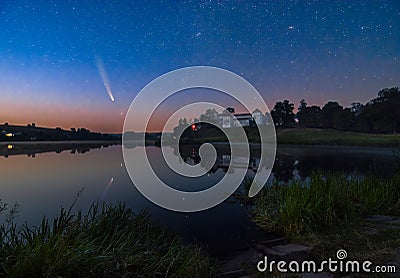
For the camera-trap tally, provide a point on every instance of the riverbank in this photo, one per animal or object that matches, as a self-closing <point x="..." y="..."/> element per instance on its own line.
<point x="314" y="136"/>
<point x="107" y="241"/>
<point x="310" y="219"/>
<point x="305" y="136"/>
<point x="315" y="219"/>
<point x="325" y="200"/>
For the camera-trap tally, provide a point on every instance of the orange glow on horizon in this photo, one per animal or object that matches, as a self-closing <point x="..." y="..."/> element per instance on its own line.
<point x="105" y="119"/>
<point x="95" y="119"/>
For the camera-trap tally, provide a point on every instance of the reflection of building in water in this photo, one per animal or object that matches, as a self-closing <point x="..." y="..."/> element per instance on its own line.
<point x="223" y="160"/>
<point x="239" y="162"/>
<point x="192" y="159"/>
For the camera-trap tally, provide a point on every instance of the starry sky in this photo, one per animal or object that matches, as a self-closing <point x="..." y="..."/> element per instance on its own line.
<point x="50" y="52"/>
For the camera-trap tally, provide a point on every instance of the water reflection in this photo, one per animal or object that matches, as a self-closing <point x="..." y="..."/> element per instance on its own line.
<point x="190" y="155"/>
<point x="41" y="186"/>
<point x="44" y="184"/>
<point x="294" y="163"/>
<point x="32" y="148"/>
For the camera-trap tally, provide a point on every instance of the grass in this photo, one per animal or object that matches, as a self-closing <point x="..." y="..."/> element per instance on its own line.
<point x="327" y="200"/>
<point x="306" y="136"/>
<point x="314" y="136"/>
<point x="379" y="248"/>
<point x="330" y="212"/>
<point x="108" y="240"/>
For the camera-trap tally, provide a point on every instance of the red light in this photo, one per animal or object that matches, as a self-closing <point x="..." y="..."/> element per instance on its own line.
<point x="193" y="127"/>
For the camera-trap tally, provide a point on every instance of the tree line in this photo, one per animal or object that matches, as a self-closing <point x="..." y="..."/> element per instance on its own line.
<point x="33" y="133"/>
<point x="379" y="115"/>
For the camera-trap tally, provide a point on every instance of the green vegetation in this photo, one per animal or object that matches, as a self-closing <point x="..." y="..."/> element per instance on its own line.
<point x="211" y="133"/>
<point x="283" y="114"/>
<point x="106" y="241"/>
<point x="379" y="247"/>
<point x="31" y="132"/>
<point x="327" y="200"/>
<point x="313" y="136"/>
<point x="303" y="136"/>
<point x="379" y="115"/>
<point x="331" y="212"/>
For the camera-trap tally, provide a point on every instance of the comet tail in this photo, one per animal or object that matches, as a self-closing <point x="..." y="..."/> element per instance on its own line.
<point x="104" y="77"/>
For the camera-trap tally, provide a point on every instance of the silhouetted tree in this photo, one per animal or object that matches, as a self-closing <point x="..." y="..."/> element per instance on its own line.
<point x="211" y="115"/>
<point x="356" y="108"/>
<point x="303" y="105"/>
<point x="308" y="116"/>
<point x="382" y="114"/>
<point x="344" y="119"/>
<point x="282" y="114"/>
<point x="329" y="112"/>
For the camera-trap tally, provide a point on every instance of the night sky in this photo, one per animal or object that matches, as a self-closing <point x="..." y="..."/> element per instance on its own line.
<point x="50" y="52"/>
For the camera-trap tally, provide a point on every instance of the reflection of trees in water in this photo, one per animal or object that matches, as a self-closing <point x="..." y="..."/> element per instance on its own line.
<point x="190" y="155"/>
<point x="32" y="149"/>
<point x="303" y="162"/>
<point x="284" y="168"/>
<point x="297" y="163"/>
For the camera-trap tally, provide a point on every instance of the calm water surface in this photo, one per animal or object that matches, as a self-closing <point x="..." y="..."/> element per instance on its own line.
<point x="42" y="183"/>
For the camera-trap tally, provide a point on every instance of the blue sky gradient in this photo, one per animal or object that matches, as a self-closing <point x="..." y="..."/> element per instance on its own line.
<point x="317" y="50"/>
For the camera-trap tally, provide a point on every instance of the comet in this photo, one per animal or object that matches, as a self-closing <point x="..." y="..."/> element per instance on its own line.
<point x="104" y="77"/>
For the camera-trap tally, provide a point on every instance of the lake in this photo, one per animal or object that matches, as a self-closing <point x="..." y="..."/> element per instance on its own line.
<point x="42" y="178"/>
